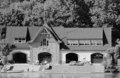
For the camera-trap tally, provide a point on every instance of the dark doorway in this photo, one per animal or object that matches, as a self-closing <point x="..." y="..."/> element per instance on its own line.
<point x="20" y="58"/>
<point x="96" y="58"/>
<point x="44" y="56"/>
<point x="71" y="57"/>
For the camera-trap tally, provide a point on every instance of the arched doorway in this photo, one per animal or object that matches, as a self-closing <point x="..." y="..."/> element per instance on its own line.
<point x="71" y="57"/>
<point x="20" y="57"/>
<point x="96" y="58"/>
<point x="44" y="56"/>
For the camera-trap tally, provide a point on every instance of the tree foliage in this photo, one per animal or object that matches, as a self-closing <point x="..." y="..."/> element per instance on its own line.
<point x="35" y="12"/>
<point x="112" y="56"/>
<point x="7" y="49"/>
<point x="105" y="13"/>
<point x="72" y="13"/>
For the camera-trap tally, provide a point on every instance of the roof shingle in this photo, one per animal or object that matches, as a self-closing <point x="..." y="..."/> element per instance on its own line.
<point x="20" y="32"/>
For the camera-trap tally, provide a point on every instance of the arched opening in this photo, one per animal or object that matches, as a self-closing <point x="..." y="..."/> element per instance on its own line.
<point x="96" y="58"/>
<point x="20" y="57"/>
<point x="44" y="56"/>
<point x="71" y="57"/>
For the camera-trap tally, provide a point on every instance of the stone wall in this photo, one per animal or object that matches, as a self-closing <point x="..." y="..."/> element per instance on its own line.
<point x="53" y="49"/>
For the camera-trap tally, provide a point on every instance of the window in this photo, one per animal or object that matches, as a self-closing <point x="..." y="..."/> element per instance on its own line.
<point x="73" y="42"/>
<point x="69" y="42"/>
<point x="81" y="42"/>
<point x="84" y="42"/>
<point x="20" y="40"/>
<point x="44" y="42"/>
<point x="45" y="38"/>
<point x="87" y="42"/>
<point x="96" y="42"/>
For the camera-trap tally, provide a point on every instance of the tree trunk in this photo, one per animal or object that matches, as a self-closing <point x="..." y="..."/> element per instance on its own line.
<point x="4" y="60"/>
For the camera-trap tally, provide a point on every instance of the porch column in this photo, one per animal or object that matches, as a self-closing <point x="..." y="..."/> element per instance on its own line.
<point x="31" y="54"/>
<point x="79" y="57"/>
<point x="63" y="58"/>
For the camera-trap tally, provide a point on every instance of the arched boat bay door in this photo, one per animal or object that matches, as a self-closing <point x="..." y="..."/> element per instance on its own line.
<point x="96" y="58"/>
<point x="44" y="56"/>
<point x="71" y="57"/>
<point x="20" y="57"/>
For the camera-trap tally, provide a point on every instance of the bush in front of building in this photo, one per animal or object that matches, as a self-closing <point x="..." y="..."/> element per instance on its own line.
<point x="11" y="61"/>
<point x="110" y="60"/>
<point x="6" y="49"/>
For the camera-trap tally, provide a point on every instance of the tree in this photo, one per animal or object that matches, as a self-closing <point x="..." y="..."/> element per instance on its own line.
<point x="116" y="53"/>
<point x="6" y="49"/>
<point x="55" y="12"/>
<point x="112" y="56"/>
<point x="108" y="60"/>
<point x="82" y="13"/>
<point x="105" y="13"/>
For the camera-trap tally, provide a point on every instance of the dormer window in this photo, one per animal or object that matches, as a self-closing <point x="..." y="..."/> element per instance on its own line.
<point x="73" y="42"/>
<point x="85" y="42"/>
<point x="20" y="40"/>
<point x="96" y="42"/>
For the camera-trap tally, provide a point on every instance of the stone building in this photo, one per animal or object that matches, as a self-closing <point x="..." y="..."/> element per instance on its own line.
<point x="58" y="45"/>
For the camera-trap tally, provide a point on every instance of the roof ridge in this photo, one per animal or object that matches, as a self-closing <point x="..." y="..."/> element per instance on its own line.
<point x="52" y="30"/>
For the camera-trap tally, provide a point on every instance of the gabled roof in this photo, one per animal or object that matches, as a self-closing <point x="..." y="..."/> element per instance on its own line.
<point x="22" y="45"/>
<point x="85" y="33"/>
<point x="13" y="32"/>
<point x="35" y="35"/>
<point x="10" y="34"/>
<point x="88" y="33"/>
<point x="61" y="34"/>
<point x="79" y="33"/>
<point x="49" y="29"/>
<point x="33" y="31"/>
<point x="20" y="32"/>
